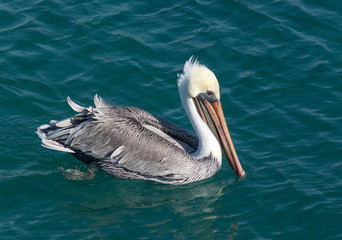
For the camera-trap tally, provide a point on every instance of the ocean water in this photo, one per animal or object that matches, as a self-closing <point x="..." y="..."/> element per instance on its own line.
<point x="279" y="64"/>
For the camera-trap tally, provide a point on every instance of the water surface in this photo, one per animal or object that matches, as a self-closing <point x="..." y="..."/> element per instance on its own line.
<point x="279" y="66"/>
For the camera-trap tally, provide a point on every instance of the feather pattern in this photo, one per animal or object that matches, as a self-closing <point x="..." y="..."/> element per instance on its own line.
<point x="128" y="142"/>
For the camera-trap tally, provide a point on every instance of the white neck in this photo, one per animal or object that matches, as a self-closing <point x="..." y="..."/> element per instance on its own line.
<point x="208" y="144"/>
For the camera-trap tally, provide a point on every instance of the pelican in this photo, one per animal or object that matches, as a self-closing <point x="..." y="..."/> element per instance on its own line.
<point x="128" y="142"/>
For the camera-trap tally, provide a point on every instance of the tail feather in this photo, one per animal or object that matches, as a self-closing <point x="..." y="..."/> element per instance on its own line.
<point x="44" y="134"/>
<point x="75" y="106"/>
<point x="55" y="146"/>
<point x="58" y="134"/>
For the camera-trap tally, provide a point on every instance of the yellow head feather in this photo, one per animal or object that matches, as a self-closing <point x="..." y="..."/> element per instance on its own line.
<point x="198" y="79"/>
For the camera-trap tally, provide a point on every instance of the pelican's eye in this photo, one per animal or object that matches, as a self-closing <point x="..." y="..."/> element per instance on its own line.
<point x="210" y="96"/>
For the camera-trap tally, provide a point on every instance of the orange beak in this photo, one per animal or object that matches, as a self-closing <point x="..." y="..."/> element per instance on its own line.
<point x="211" y="112"/>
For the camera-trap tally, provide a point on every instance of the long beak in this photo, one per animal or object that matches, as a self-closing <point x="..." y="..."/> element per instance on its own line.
<point x="211" y="112"/>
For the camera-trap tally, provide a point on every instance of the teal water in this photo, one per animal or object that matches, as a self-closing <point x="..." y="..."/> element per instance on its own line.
<point x="279" y="64"/>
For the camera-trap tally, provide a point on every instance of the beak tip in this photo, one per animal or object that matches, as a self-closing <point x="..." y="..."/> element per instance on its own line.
<point x="242" y="174"/>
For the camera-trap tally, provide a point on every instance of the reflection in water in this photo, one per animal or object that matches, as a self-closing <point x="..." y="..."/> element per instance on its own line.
<point x="78" y="174"/>
<point x="159" y="210"/>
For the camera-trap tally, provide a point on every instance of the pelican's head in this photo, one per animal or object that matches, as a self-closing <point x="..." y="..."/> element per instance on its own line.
<point x="199" y="84"/>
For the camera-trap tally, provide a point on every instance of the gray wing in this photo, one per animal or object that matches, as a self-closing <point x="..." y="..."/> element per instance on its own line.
<point x="125" y="141"/>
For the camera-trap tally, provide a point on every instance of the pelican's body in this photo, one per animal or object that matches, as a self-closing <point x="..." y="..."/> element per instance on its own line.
<point x="128" y="142"/>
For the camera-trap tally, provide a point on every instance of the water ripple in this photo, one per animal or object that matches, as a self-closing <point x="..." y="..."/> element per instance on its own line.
<point x="278" y="65"/>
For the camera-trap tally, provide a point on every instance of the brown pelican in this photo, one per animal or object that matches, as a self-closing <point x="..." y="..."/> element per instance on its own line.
<point x="128" y="142"/>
